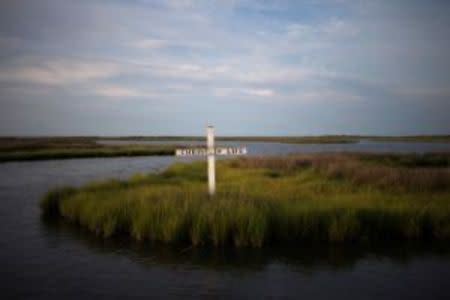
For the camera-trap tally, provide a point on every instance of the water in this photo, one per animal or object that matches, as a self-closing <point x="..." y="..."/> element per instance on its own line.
<point x="44" y="261"/>
<point x="282" y="148"/>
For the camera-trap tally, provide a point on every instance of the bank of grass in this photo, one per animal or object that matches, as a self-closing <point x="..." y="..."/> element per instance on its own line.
<point x="410" y="160"/>
<point x="266" y="200"/>
<point x="18" y="149"/>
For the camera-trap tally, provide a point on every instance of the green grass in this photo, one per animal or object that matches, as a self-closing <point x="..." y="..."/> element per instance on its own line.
<point x="267" y="200"/>
<point x="17" y="149"/>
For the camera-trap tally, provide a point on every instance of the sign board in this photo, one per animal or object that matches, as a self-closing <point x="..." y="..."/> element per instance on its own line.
<point x="216" y="151"/>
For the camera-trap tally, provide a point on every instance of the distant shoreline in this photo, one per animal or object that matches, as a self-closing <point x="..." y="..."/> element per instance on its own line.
<point x="26" y="149"/>
<point x="86" y="153"/>
<point x="247" y="138"/>
<point x="47" y="148"/>
<point x="317" y="139"/>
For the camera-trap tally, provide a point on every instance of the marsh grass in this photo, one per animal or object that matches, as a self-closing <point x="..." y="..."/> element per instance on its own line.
<point x="18" y="149"/>
<point x="44" y="148"/>
<point x="266" y="200"/>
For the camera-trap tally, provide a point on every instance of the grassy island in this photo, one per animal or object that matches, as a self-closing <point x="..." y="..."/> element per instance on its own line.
<point x="18" y="149"/>
<point x="270" y="200"/>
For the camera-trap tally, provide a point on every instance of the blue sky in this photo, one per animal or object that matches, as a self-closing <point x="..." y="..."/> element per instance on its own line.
<point x="306" y="67"/>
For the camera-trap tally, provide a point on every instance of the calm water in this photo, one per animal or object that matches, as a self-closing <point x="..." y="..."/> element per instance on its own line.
<point x="41" y="260"/>
<point x="280" y="148"/>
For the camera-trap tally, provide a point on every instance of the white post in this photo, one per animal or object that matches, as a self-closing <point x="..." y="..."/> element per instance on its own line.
<point x="211" y="160"/>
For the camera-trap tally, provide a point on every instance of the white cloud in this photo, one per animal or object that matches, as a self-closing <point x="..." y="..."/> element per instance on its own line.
<point x="259" y="92"/>
<point x="58" y="72"/>
<point x="276" y="74"/>
<point x="242" y="91"/>
<point x="118" y="91"/>
<point x="334" y="28"/>
<point x="181" y="71"/>
<point x="324" y="96"/>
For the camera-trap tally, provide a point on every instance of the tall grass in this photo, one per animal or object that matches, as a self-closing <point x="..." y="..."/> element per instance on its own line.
<point x="259" y="201"/>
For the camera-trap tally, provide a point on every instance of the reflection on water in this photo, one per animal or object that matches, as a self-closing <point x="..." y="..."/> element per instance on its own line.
<point x="305" y="258"/>
<point x="383" y="271"/>
<point x="41" y="260"/>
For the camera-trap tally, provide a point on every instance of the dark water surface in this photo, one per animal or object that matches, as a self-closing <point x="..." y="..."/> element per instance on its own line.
<point x="39" y="260"/>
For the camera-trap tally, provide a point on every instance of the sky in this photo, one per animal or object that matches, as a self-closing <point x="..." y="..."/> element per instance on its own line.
<point x="167" y="67"/>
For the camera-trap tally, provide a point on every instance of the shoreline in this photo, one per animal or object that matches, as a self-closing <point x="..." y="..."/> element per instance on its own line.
<point x="27" y="149"/>
<point x="87" y="153"/>
<point x="48" y="148"/>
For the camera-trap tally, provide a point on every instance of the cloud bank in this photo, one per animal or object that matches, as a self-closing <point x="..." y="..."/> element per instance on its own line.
<point x="249" y="67"/>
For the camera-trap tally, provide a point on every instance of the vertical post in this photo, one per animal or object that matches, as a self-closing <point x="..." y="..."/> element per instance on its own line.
<point x="211" y="160"/>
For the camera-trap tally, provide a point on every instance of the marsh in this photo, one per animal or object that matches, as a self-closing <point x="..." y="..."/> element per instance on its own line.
<point x="60" y="260"/>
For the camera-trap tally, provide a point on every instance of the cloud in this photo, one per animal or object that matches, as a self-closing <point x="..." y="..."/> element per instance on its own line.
<point x="285" y="53"/>
<point x="335" y="28"/>
<point x="276" y="74"/>
<point x="328" y="96"/>
<point x="247" y="92"/>
<point x="58" y="72"/>
<point x="179" y="70"/>
<point x="119" y="91"/>
<point x="163" y="43"/>
<point x="259" y="92"/>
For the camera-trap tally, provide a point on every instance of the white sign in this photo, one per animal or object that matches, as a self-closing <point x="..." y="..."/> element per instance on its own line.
<point x="210" y="151"/>
<point x="217" y="151"/>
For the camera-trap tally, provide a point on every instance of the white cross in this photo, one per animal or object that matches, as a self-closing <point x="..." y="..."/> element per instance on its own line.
<point x="210" y="151"/>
